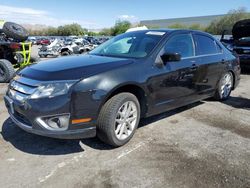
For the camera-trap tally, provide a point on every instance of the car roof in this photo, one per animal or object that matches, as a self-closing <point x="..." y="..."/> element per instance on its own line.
<point x="168" y="31"/>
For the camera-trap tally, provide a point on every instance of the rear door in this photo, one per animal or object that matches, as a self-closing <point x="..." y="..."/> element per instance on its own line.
<point x="211" y="62"/>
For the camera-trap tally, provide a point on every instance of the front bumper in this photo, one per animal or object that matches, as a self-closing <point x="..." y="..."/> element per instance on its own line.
<point x="24" y="119"/>
<point x="70" y="134"/>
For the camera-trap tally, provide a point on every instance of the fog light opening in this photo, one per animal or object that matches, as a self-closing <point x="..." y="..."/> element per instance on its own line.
<point x="55" y="123"/>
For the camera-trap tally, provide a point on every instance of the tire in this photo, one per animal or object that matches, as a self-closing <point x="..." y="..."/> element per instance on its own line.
<point x="110" y="112"/>
<point x="15" y="31"/>
<point x="65" y="53"/>
<point x="7" y="71"/>
<point x="224" y="87"/>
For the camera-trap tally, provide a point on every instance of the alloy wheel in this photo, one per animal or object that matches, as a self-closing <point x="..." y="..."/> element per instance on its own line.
<point x="226" y="86"/>
<point x="126" y="119"/>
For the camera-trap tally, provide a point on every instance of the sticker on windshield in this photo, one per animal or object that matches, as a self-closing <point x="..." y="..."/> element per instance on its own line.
<point x="155" y="33"/>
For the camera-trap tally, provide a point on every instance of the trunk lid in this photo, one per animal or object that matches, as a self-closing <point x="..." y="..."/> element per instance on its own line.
<point x="241" y="29"/>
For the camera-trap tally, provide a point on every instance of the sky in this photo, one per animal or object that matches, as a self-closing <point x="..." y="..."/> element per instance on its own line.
<point x="96" y="14"/>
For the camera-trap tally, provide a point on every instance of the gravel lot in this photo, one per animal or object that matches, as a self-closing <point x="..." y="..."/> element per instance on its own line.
<point x="206" y="144"/>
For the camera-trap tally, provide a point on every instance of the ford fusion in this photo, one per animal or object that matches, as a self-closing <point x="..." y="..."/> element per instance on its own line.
<point x="106" y="92"/>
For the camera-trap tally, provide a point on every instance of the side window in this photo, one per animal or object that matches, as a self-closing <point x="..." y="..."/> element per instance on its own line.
<point x="205" y="45"/>
<point x="182" y="44"/>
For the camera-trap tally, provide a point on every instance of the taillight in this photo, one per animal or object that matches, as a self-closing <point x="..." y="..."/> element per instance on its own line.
<point x="15" y="46"/>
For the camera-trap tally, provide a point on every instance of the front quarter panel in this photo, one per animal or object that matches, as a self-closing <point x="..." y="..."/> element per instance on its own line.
<point x="90" y="94"/>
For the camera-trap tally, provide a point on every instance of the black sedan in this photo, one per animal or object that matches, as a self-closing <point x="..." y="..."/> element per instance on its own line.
<point x="134" y="75"/>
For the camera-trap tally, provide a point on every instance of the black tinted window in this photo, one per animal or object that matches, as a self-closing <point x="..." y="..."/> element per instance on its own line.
<point x="205" y="45"/>
<point x="182" y="44"/>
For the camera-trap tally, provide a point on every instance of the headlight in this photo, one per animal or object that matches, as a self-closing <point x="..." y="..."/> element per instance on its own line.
<point x="51" y="90"/>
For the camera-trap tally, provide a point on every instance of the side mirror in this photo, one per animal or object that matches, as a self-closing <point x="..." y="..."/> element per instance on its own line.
<point x="167" y="57"/>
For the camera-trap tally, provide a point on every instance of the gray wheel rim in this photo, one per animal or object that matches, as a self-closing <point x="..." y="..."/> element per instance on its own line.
<point x="226" y="86"/>
<point x="126" y="119"/>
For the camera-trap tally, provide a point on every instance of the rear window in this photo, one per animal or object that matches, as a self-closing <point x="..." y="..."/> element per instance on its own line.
<point x="205" y="45"/>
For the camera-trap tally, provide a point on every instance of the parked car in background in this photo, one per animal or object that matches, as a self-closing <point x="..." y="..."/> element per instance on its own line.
<point x="32" y="40"/>
<point x="70" y="47"/>
<point x="93" y="40"/>
<point x="53" y="49"/>
<point x="133" y="75"/>
<point x="43" y="41"/>
<point x="240" y="42"/>
<point x="77" y="40"/>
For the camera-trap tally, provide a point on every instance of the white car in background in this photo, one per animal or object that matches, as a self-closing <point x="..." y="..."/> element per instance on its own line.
<point x="76" y="39"/>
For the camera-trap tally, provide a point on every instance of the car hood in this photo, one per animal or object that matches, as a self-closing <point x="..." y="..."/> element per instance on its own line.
<point x="241" y="29"/>
<point x="72" y="68"/>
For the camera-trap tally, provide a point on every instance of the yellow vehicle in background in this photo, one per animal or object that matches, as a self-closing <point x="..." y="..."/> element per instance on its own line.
<point x="14" y="51"/>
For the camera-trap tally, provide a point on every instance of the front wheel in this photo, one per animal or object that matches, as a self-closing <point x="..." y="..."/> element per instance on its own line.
<point x="118" y="119"/>
<point x="224" y="87"/>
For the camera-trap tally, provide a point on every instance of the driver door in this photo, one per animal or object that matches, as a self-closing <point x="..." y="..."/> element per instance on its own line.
<point x="173" y="83"/>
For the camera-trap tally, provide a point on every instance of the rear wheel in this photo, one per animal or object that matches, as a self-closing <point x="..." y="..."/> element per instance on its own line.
<point x="224" y="87"/>
<point x="118" y="119"/>
<point x="7" y="71"/>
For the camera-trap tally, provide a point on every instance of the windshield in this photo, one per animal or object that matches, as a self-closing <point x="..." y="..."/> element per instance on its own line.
<point x="131" y="44"/>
